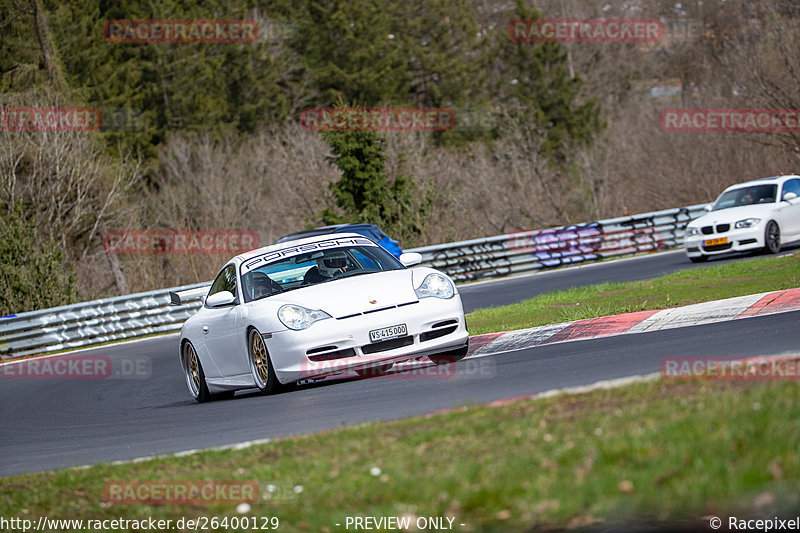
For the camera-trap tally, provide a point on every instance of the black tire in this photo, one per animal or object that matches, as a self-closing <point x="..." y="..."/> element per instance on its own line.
<point x="772" y="238"/>
<point x="374" y="371"/>
<point x="699" y="259"/>
<point x="195" y="377"/>
<point x="260" y="363"/>
<point x="451" y="356"/>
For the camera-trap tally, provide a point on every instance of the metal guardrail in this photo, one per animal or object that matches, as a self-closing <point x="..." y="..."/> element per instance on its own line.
<point x="94" y="322"/>
<point x="526" y="251"/>
<point x="137" y="315"/>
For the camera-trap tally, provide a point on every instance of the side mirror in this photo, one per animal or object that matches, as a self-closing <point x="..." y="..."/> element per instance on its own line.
<point x="708" y="208"/>
<point x="220" y="299"/>
<point x="789" y="196"/>
<point x="410" y="259"/>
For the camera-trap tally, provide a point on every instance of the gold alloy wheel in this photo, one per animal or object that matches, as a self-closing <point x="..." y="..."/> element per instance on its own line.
<point x="259" y="354"/>
<point x="192" y="368"/>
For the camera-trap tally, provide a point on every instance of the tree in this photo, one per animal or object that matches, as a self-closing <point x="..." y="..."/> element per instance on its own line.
<point x="33" y="274"/>
<point x="534" y="79"/>
<point x="221" y="88"/>
<point x="378" y="52"/>
<point x="366" y="193"/>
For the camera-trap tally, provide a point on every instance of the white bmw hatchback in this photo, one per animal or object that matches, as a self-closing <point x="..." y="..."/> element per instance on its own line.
<point x="314" y="308"/>
<point x="762" y="214"/>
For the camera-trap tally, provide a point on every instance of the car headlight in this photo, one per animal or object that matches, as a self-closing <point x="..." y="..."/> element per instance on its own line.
<point x="297" y="317"/>
<point x="435" y="286"/>
<point x="747" y="223"/>
<point x="692" y="231"/>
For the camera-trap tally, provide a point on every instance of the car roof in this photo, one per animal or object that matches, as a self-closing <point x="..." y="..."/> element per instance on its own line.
<point x="336" y="228"/>
<point x="288" y="244"/>
<point x="762" y="181"/>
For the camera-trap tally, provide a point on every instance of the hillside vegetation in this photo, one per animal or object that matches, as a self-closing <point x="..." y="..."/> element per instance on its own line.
<point x="208" y="136"/>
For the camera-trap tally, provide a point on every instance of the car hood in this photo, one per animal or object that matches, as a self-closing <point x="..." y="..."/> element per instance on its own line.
<point x="349" y="296"/>
<point x="733" y="215"/>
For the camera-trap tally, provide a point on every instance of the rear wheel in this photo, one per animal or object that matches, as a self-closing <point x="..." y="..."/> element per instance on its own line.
<point x="772" y="238"/>
<point x="260" y="364"/>
<point x="374" y="371"/>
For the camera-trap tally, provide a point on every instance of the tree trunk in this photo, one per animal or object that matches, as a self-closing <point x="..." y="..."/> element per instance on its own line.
<point x="46" y="44"/>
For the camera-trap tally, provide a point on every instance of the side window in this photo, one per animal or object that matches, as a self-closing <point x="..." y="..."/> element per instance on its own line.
<point x="225" y="281"/>
<point x="366" y="262"/>
<point x="791" y="186"/>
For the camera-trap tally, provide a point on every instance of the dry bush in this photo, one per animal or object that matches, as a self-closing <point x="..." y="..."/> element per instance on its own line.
<point x="649" y="169"/>
<point x="272" y="183"/>
<point x="70" y="187"/>
<point x="275" y="182"/>
<point x="758" y="53"/>
<point x="487" y="190"/>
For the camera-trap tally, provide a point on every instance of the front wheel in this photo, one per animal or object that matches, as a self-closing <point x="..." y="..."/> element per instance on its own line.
<point x="196" y="378"/>
<point x="772" y="238"/>
<point x="260" y="364"/>
<point x="699" y="259"/>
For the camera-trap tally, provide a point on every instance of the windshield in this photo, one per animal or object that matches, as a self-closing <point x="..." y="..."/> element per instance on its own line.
<point x="312" y="268"/>
<point x="757" y="194"/>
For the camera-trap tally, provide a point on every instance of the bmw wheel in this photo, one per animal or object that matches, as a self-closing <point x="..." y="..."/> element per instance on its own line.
<point x="260" y="364"/>
<point x="772" y="238"/>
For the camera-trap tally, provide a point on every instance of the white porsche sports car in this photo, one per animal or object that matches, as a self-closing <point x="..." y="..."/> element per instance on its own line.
<point x="757" y="215"/>
<point x="314" y="308"/>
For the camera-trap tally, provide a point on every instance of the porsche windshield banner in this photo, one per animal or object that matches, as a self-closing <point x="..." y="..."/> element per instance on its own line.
<point x="270" y="257"/>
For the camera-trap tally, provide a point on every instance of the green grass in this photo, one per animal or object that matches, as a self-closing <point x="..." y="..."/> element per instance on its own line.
<point x="684" y="287"/>
<point x="658" y="451"/>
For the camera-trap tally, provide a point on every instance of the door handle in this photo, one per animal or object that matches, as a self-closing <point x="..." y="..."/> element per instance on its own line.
<point x="205" y="330"/>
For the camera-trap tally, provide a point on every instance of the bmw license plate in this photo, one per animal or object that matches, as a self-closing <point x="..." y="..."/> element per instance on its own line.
<point x="714" y="242"/>
<point x="392" y="332"/>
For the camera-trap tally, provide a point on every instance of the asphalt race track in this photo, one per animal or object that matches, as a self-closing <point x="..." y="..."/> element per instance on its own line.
<point x="510" y="290"/>
<point x="46" y="424"/>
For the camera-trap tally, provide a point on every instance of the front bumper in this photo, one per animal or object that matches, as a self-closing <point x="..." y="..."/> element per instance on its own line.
<point x="339" y="345"/>
<point x="738" y="240"/>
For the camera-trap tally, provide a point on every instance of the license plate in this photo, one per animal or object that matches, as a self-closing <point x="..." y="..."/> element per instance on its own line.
<point x="714" y="242"/>
<point x="392" y="332"/>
